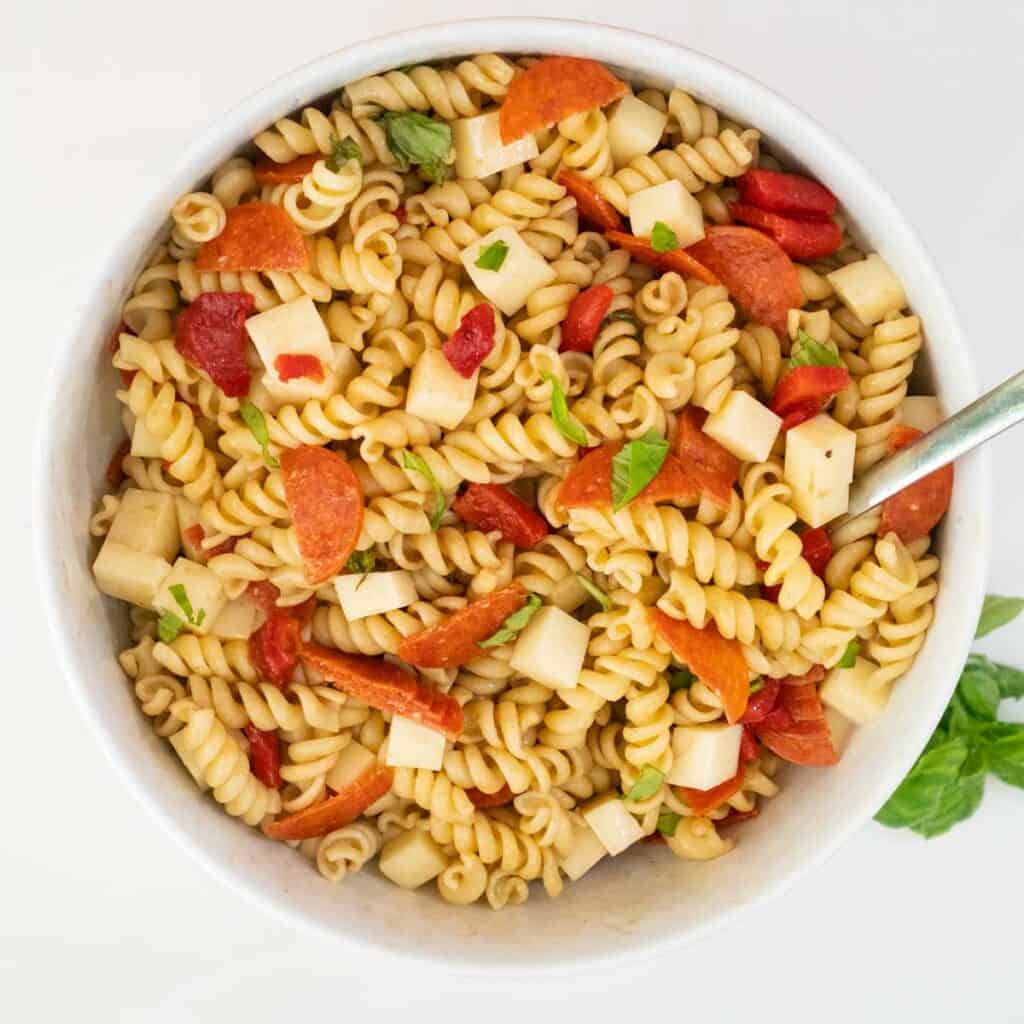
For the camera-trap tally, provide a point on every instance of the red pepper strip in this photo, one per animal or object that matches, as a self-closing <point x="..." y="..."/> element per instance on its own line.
<point x="290" y="366"/>
<point x="702" y="801"/>
<point x="817" y="549"/>
<point x="264" y="756"/>
<point x="583" y="321"/>
<point x="494" y="507"/>
<point x="274" y="647"/>
<point x="808" y="386"/>
<point x="497" y="799"/>
<point x="678" y="260"/>
<point x="748" y="746"/>
<point x="211" y="334"/>
<point x="792" y="194"/>
<point x="472" y="341"/>
<point x="801" y="239"/>
<point x="762" y="703"/>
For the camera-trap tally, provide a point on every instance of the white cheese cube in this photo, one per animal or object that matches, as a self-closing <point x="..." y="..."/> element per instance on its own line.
<point x="551" y="648"/>
<point x="819" y="468"/>
<point x="869" y="288"/>
<point x="568" y="593"/>
<point x="239" y="619"/>
<point x="437" y="392"/>
<point x="293" y="328"/>
<point x="411" y="859"/>
<point x="671" y="204"/>
<point x="479" y="150"/>
<point x="840" y="729"/>
<point x="614" y="826"/>
<point x="354" y="761"/>
<point x="743" y="426"/>
<point x="299" y="390"/>
<point x="411" y="745"/>
<point x="585" y="850"/>
<point x="848" y="691"/>
<point x="820" y="509"/>
<point x="634" y="128"/>
<point x="373" y="593"/>
<point x="922" y="412"/>
<point x="705" y="755"/>
<point x="188" y="517"/>
<point x="145" y="445"/>
<point x="148" y="522"/>
<point x="204" y="591"/>
<point x="523" y="271"/>
<point x="128" y="574"/>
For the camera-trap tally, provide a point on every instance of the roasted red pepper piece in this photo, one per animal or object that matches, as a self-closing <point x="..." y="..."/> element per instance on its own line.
<point x="194" y="536"/>
<point x="583" y="321"/>
<point x="763" y="702"/>
<point x="791" y="194"/>
<point x="267" y="172"/>
<point x="748" y="745"/>
<point x="257" y="236"/>
<point x="817" y="549"/>
<point x="713" y="469"/>
<point x="274" y="647"/>
<point x="914" y="511"/>
<point x="264" y="756"/>
<point x="805" y="737"/>
<point x="494" y="507"/>
<point x="211" y="334"/>
<point x="807" y="389"/>
<point x="115" y="468"/>
<point x="682" y="261"/>
<point x="482" y="800"/>
<point x="593" y="207"/>
<point x="472" y="341"/>
<point x="589" y="483"/>
<point x="703" y="801"/>
<point x="801" y="239"/>
<point x="292" y="366"/>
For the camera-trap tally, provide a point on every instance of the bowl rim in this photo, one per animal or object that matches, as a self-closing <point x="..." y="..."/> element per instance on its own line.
<point x="711" y="78"/>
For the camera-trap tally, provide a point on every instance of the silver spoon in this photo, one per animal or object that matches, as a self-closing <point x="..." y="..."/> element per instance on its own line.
<point x="996" y="411"/>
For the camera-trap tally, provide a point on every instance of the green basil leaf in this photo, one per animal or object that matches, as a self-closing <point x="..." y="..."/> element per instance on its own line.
<point x="568" y="426"/>
<point x="624" y="314"/>
<point x="414" y="138"/>
<point x="681" y="679"/>
<point x="493" y="256"/>
<point x="663" y="238"/>
<point x="849" y="658"/>
<point x="513" y="624"/>
<point x="168" y="627"/>
<point x="180" y="596"/>
<point x="978" y="691"/>
<point x="1011" y="681"/>
<point x="1006" y="755"/>
<point x="998" y="611"/>
<point x="809" y="352"/>
<point x="668" y="822"/>
<point x="957" y="802"/>
<point x="254" y="419"/>
<point x="361" y="561"/>
<point x="410" y="460"/>
<point x="595" y="592"/>
<point x="635" y="466"/>
<point x="343" y="150"/>
<point x="918" y="796"/>
<point x="648" y="783"/>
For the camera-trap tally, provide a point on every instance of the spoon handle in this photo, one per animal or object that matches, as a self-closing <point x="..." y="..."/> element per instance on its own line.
<point x="996" y="411"/>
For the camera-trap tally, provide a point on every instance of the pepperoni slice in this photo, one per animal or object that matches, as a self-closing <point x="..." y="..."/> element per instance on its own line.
<point x="682" y="261"/>
<point x="702" y="801"/>
<point x="801" y="239"/>
<point x="800" y="734"/>
<point x="592" y="205"/>
<point x="257" y="236"/>
<point x="267" y="172"/>
<point x="914" y="511"/>
<point x="325" y="500"/>
<point x="589" y="483"/>
<point x="711" y="467"/>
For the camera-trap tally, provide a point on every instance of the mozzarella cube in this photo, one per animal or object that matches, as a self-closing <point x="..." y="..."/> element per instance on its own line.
<point x="437" y="392"/>
<point x="300" y="389"/>
<point x="479" y="150"/>
<point x="848" y="690"/>
<point x="869" y="288"/>
<point x="204" y="591"/>
<point x="551" y="648"/>
<point x="373" y="593"/>
<point x="145" y="445"/>
<point x="840" y="728"/>
<point x="615" y="828"/>
<point x="128" y="574"/>
<point x="634" y="128"/>
<point x="819" y="468"/>
<point x="239" y="619"/>
<point x="146" y="521"/>
<point x="293" y="328"/>
<point x="354" y="761"/>
<point x="411" y="745"/>
<point x="568" y="593"/>
<point x="922" y="412"/>
<point x="705" y="755"/>
<point x="522" y="273"/>
<point x="743" y="426"/>
<point x="671" y="204"/>
<point x="585" y="850"/>
<point x="411" y="859"/>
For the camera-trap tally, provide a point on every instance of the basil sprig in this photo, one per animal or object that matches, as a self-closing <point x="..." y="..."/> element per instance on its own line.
<point x="663" y="238"/>
<point x="514" y="624"/>
<point x="493" y="256"/>
<point x="343" y="150"/>
<point x="410" y="460"/>
<point x="996" y="612"/>
<point x="415" y="139"/>
<point x="849" y="658"/>
<point x="648" y="782"/>
<point x="635" y="466"/>
<point x="170" y="625"/>
<point x="681" y="679"/>
<point x="668" y="822"/>
<point x="568" y="426"/>
<point x="809" y="352"/>
<point x="595" y="592"/>
<point x="254" y="419"/>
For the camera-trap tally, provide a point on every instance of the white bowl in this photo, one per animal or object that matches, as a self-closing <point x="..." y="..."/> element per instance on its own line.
<point x="648" y="900"/>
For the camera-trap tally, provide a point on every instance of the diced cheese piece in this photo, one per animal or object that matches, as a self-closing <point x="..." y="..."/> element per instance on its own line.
<point x="568" y="593"/>
<point x="346" y="364"/>
<point x="188" y="758"/>
<point x="353" y="761"/>
<point x="148" y="522"/>
<point x="551" y="648"/>
<point x="145" y="445"/>
<point x="743" y="426"/>
<point x="819" y="468"/>
<point x="411" y="745"/>
<point x="671" y="204"/>
<point x="839" y="727"/>
<point x="239" y="619"/>
<point x="204" y="590"/>
<point x="816" y="323"/>
<point x="522" y="273"/>
<point x="705" y="755"/>
<point x="411" y="859"/>
<point x="189" y="516"/>
<point x="869" y="288"/>
<point x="848" y="690"/>
<point x="372" y="593"/>
<point x="585" y="850"/>
<point x="479" y="150"/>
<point x="614" y="826"/>
<point x="300" y="389"/>
<point x="922" y="412"/>
<point x="293" y="328"/>
<point x="128" y="574"/>
<point x="634" y="128"/>
<point x="437" y="392"/>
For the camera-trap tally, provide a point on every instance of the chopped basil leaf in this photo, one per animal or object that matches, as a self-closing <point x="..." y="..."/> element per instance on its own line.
<point x="595" y="592"/>
<point x="668" y="822"/>
<point x="180" y="596"/>
<point x="997" y="611"/>
<point x="414" y="138"/>
<point x="254" y="419"/>
<point x="410" y="460"/>
<point x="636" y="466"/>
<point x="568" y="426"/>
<point x="647" y="784"/>
<point x="168" y="627"/>
<point x="343" y="150"/>
<point x="756" y="686"/>
<point x="361" y="561"/>
<point x="513" y="624"/>
<point x="624" y="314"/>
<point x="493" y="256"/>
<point x="849" y="658"/>
<point x="663" y="238"/>
<point x="681" y="679"/>
<point x="808" y="352"/>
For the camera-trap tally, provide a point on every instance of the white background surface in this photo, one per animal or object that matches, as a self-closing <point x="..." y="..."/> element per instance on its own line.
<point x="101" y="918"/>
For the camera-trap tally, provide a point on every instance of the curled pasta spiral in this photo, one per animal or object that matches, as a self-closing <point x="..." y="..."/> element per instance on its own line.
<point x="696" y="838"/>
<point x="319" y="200"/>
<point x="189" y="654"/>
<point x="147" y="312"/>
<point x="373" y="266"/>
<point x="463" y="881"/>
<point x="693" y="120"/>
<point x="541" y="568"/>
<point x="759" y="348"/>
<point x="268" y="289"/>
<point x="308" y="758"/>
<point x="259" y="502"/>
<point x="713" y="350"/>
<point x="156" y="694"/>
<point x="316" y="132"/>
<point x="488" y="768"/>
<point x="588" y="152"/>
<point x="376" y="634"/>
<point x="346" y="850"/>
<point x="198" y="217"/>
<point x="434" y="792"/>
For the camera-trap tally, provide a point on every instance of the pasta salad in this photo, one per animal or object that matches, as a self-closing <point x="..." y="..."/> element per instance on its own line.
<point x="482" y="507"/>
